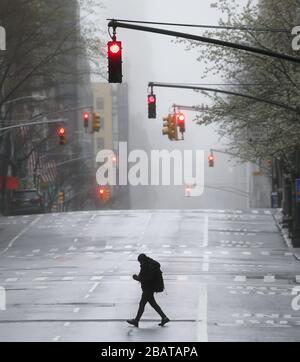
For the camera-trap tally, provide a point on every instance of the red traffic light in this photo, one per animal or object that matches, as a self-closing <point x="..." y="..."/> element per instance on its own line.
<point x="62" y="131"/>
<point x="114" y="48"/>
<point x="211" y="158"/>
<point x="181" y="118"/>
<point x="86" y="116"/>
<point x="151" y="99"/>
<point x="101" y="192"/>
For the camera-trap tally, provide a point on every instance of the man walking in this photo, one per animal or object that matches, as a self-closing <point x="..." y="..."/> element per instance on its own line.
<point x="151" y="281"/>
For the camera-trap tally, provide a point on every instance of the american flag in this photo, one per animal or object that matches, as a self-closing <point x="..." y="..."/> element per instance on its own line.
<point x="48" y="172"/>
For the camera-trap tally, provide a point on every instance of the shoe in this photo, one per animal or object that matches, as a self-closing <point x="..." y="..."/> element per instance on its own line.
<point x="133" y="322"/>
<point x="164" y="321"/>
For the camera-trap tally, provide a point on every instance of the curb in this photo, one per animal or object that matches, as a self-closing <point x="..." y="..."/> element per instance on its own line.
<point x="278" y="220"/>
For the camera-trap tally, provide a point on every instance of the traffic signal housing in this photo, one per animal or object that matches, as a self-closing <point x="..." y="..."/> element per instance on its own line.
<point x="170" y="127"/>
<point x="61" y="197"/>
<point x="62" y="136"/>
<point x="211" y="160"/>
<point x="96" y="122"/>
<point x="86" y="119"/>
<point x="114" y="50"/>
<point x="104" y="193"/>
<point x="151" y="106"/>
<point x="181" y="122"/>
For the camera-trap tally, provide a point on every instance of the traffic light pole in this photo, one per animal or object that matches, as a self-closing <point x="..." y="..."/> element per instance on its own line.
<point x="216" y="90"/>
<point x="117" y="24"/>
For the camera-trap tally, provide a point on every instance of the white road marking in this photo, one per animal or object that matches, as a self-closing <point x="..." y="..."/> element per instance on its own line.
<point x="36" y="251"/>
<point x="205" y="265"/>
<point x="181" y="278"/>
<point x="240" y="278"/>
<point x="56" y="339"/>
<point x="40" y="279"/>
<point x="72" y="248"/>
<point x="269" y="278"/>
<point x="205" y="232"/>
<point x="75" y="240"/>
<point x="68" y="278"/>
<point x="93" y="288"/>
<point x="11" y="243"/>
<point x="96" y="278"/>
<point x="125" y="277"/>
<point x="11" y="280"/>
<point x="76" y="310"/>
<point x="67" y="324"/>
<point x="87" y="296"/>
<point x="202" y="315"/>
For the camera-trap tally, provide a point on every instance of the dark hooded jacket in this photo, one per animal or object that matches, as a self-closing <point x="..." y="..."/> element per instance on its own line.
<point x="147" y="274"/>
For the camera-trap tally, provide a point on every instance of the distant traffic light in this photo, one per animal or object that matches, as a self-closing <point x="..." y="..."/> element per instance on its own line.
<point x="211" y="160"/>
<point x="62" y="136"/>
<point x="96" y="122"/>
<point x="61" y="197"/>
<point x="105" y="193"/>
<point x="151" y="106"/>
<point x="181" y="122"/>
<point x="114" y="61"/>
<point x="86" y="119"/>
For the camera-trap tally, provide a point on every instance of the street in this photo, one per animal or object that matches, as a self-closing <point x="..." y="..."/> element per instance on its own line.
<point x="229" y="276"/>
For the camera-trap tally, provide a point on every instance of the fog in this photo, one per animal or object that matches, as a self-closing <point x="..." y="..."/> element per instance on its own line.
<point x="152" y="57"/>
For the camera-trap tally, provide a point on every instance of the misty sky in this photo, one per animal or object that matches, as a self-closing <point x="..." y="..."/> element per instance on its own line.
<point x="152" y="57"/>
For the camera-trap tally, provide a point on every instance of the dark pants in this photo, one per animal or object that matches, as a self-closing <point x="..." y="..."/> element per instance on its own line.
<point x="148" y="297"/>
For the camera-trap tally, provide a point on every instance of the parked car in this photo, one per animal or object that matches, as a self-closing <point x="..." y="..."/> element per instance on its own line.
<point x="27" y="201"/>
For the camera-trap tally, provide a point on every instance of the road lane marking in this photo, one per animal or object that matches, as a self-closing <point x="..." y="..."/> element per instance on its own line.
<point x="56" y="339"/>
<point x="11" y="280"/>
<point x="205" y="234"/>
<point x="205" y="265"/>
<point x="40" y="279"/>
<point x="240" y="278"/>
<point x="93" y="288"/>
<point x="76" y="310"/>
<point x="67" y="324"/>
<point x="96" y="278"/>
<point x="202" y="315"/>
<point x="87" y="296"/>
<point x="11" y="243"/>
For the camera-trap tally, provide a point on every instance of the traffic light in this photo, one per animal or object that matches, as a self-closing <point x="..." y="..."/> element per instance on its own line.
<point x="86" y="119"/>
<point x="173" y="128"/>
<point x="61" y="197"/>
<point x="170" y="127"/>
<point x="114" y="61"/>
<point x="211" y="160"/>
<point x="96" y="122"/>
<point x="181" y="122"/>
<point x="62" y="136"/>
<point x="151" y="106"/>
<point x="105" y="193"/>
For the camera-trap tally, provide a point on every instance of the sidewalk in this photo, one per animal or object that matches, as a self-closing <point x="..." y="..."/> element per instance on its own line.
<point x="284" y="232"/>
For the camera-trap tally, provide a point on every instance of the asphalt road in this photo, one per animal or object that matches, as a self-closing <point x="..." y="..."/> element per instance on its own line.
<point x="67" y="277"/>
